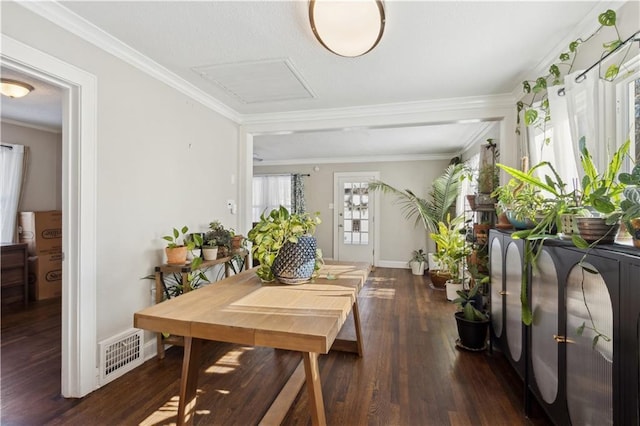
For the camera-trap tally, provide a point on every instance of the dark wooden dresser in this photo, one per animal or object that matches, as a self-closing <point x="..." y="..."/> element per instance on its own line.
<point x="14" y="280"/>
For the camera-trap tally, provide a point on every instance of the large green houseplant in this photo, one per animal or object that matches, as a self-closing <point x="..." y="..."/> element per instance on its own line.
<point x="281" y="232"/>
<point x="434" y="209"/>
<point x="452" y="251"/>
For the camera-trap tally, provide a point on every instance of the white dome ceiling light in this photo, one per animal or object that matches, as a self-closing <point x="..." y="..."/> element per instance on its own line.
<point x="15" y="88"/>
<point x="347" y="28"/>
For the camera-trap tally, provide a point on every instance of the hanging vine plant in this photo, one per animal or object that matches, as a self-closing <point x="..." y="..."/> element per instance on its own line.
<point x="539" y="116"/>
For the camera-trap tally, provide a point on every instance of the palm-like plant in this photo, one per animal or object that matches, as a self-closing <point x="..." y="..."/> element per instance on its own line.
<point x="433" y="210"/>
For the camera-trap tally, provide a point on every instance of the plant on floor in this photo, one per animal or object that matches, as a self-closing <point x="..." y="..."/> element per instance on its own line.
<point x="277" y="230"/>
<point x="469" y="302"/>
<point x="452" y="246"/>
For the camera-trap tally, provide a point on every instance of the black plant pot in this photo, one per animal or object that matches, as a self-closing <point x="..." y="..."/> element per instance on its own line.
<point x="295" y="262"/>
<point x="473" y="334"/>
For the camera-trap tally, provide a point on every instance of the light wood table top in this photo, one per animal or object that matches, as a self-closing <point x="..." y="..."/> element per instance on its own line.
<point x="241" y="309"/>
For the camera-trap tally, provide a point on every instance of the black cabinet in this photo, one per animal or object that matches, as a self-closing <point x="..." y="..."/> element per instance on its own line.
<point x="582" y="350"/>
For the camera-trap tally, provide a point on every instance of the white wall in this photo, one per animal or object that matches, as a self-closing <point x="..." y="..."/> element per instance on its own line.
<point x="163" y="161"/>
<point x="398" y="236"/>
<point x="43" y="185"/>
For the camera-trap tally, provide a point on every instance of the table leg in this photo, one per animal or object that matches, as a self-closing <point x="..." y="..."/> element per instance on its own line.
<point x="189" y="380"/>
<point x="314" y="388"/>
<point x="356" y="322"/>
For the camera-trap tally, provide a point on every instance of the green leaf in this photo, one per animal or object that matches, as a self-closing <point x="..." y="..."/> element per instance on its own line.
<point x="176" y="234"/>
<point x="612" y="45"/>
<point x="607" y="19"/>
<point x="526" y="87"/>
<point x="530" y="116"/>
<point x="594" y="342"/>
<point x="579" y="242"/>
<point x="573" y="46"/>
<point x="612" y="72"/>
<point x="565" y="56"/>
<point x="541" y="85"/>
<point x="580" y="329"/>
<point x="554" y="70"/>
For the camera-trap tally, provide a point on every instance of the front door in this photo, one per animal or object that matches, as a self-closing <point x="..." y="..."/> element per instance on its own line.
<point x="354" y="236"/>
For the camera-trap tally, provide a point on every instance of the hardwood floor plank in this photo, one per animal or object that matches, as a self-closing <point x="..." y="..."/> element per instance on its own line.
<point x="411" y="373"/>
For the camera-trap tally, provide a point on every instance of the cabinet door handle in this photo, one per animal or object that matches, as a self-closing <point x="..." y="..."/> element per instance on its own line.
<point x="503" y="293"/>
<point x="561" y="339"/>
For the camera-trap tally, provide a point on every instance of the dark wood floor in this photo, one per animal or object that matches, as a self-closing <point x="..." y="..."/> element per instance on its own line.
<point x="411" y="373"/>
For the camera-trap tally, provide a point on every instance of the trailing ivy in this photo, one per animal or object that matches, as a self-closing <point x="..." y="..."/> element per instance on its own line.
<point x="538" y="116"/>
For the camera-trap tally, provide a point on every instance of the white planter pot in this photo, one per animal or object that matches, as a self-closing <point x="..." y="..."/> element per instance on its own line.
<point x="210" y="253"/>
<point x="417" y="268"/>
<point x="452" y="290"/>
<point x="434" y="264"/>
<point x="192" y="254"/>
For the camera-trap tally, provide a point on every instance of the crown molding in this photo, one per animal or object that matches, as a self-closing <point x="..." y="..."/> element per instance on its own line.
<point x="43" y="128"/>
<point x="75" y="24"/>
<point x="359" y="159"/>
<point x="392" y="109"/>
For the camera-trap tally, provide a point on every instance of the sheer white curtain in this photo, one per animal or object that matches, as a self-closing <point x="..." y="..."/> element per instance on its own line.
<point x="586" y="101"/>
<point x="11" y="173"/>
<point x="468" y="187"/>
<point x="270" y="192"/>
<point x="560" y="151"/>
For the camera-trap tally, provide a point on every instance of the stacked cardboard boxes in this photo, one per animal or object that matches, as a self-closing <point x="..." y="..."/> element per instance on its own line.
<point x="42" y="231"/>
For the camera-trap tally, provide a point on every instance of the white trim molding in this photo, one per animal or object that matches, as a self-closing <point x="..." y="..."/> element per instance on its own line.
<point x="79" y="183"/>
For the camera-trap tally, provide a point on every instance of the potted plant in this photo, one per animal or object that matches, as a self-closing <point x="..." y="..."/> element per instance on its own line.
<point x="471" y="318"/>
<point x="417" y="262"/>
<point x="452" y="251"/>
<point x="601" y="195"/>
<point x="432" y="210"/>
<point x="221" y="235"/>
<point x="178" y="247"/>
<point x="196" y="239"/>
<point x="284" y="245"/>
<point x="630" y="205"/>
<point x="210" y="249"/>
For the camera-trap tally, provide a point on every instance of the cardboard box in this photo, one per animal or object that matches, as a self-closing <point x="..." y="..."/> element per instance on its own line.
<point x="45" y="276"/>
<point x="42" y="231"/>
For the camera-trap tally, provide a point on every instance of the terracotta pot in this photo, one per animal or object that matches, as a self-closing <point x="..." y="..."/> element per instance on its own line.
<point x="472" y="201"/>
<point x="236" y="241"/>
<point x="176" y="255"/>
<point x="503" y="222"/>
<point x="635" y="232"/>
<point x="481" y="232"/>
<point x="595" y="230"/>
<point x="438" y="278"/>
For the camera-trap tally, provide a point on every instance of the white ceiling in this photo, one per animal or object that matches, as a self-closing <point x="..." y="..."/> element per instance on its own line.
<point x="430" y="50"/>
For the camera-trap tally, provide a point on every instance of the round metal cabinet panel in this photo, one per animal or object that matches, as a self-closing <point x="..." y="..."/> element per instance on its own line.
<point x="496" y="287"/>
<point x="589" y="366"/>
<point x="513" y="315"/>
<point x="544" y="348"/>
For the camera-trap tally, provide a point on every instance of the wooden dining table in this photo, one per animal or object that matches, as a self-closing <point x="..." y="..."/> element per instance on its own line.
<point x="241" y="309"/>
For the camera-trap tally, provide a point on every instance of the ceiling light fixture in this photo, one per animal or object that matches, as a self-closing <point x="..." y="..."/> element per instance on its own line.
<point x="15" y="88"/>
<point x="347" y="28"/>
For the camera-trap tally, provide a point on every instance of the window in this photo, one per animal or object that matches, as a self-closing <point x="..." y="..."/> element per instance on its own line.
<point x="270" y="192"/>
<point x="628" y="108"/>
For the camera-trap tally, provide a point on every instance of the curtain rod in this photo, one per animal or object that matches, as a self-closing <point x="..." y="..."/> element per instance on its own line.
<point x="583" y="75"/>
<point x="6" y="146"/>
<point x="283" y="174"/>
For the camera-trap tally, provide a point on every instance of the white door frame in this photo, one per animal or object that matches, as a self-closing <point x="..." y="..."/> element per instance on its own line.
<point x="376" y="214"/>
<point x="79" y="183"/>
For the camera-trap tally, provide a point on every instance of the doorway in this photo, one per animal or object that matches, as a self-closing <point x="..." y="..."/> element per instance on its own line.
<point x="79" y="182"/>
<point x="356" y="228"/>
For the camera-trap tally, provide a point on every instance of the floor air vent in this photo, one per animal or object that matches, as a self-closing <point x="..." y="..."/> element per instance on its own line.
<point x="120" y="354"/>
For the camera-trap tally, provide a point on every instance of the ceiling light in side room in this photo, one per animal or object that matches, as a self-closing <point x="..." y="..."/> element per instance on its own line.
<point x="347" y="28"/>
<point x="15" y="88"/>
